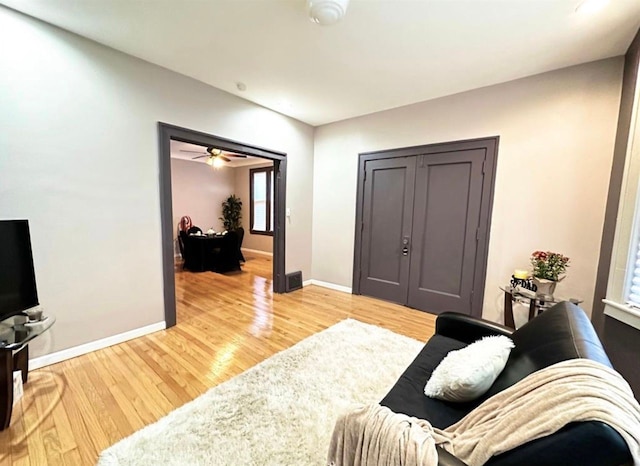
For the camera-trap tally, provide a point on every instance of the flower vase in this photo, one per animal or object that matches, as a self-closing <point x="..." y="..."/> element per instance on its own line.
<point x="545" y="287"/>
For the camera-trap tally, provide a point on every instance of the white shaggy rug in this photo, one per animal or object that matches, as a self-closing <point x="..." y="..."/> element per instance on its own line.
<point x="280" y="412"/>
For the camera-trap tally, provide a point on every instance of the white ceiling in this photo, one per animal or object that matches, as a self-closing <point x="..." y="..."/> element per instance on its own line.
<point x="384" y="54"/>
<point x="182" y="151"/>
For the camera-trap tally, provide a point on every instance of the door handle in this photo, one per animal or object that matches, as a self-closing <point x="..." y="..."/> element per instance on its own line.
<point x="405" y="246"/>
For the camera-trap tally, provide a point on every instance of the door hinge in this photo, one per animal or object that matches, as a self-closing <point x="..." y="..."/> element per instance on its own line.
<point x="421" y="161"/>
<point x="365" y="176"/>
<point x="478" y="234"/>
<point x="361" y="227"/>
<point x="484" y="166"/>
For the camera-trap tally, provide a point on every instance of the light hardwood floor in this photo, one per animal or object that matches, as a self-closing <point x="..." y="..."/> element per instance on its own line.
<point x="226" y="323"/>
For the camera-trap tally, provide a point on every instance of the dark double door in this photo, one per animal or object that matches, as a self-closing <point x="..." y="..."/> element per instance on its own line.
<point x="423" y="219"/>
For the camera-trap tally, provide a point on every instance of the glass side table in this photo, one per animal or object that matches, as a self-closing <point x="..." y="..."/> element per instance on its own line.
<point x="537" y="302"/>
<point x="15" y="334"/>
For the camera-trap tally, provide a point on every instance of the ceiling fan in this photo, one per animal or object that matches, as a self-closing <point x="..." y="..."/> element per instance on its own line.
<point x="215" y="156"/>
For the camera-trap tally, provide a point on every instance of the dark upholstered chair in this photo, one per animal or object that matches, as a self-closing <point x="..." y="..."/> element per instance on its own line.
<point x="240" y="232"/>
<point x="193" y="230"/>
<point x="181" y="240"/>
<point x="225" y="257"/>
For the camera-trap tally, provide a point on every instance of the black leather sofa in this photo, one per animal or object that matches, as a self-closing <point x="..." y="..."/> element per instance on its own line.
<point x="560" y="333"/>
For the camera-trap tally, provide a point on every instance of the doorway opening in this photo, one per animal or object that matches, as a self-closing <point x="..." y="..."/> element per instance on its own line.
<point x="168" y="133"/>
<point x="423" y="216"/>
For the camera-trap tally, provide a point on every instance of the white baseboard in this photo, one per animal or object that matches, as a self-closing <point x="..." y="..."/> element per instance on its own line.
<point x="331" y="286"/>
<point x="69" y="353"/>
<point x="256" y="251"/>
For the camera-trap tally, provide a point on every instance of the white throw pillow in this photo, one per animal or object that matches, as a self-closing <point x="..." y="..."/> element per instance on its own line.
<point x="467" y="373"/>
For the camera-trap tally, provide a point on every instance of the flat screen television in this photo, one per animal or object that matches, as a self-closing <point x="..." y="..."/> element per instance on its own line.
<point x="17" y="278"/>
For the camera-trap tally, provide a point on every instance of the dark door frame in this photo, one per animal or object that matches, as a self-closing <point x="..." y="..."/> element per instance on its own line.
<point x="166" y="133"/>
<point x="490" y="145"/>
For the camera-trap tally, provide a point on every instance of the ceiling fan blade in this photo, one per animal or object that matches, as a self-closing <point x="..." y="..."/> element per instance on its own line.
<point x="192" y="151"/>
<point x="237" y="155"/>
<point x="199" y="157"/>
<point x="224" y="158"/>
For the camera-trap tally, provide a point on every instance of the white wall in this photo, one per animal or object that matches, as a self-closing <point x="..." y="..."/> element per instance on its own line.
<point x="198" y="191"/>
<point x="79" y="159"/>
<point x="243" y="188"/>
<point x="557" y="133"/>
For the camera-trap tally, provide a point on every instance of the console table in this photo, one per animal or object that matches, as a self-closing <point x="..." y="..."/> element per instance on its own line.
<point x="537" y="302"/>
<point x="15" y="334"/>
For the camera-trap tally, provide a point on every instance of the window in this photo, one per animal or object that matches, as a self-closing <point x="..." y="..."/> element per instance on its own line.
<point x="633" y="281"/>
<point x="261" y="181"/>
<point x="622" y="300"/>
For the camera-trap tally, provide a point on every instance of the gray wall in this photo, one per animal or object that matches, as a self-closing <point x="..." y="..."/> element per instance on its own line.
<point x="79" y="159"/>
<point x="198" y="191"/>
<point x="257" y="242"/>
<point x="557" y="132"/>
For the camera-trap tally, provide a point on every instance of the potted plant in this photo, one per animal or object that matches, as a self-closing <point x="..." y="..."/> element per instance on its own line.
<point x="232" y="213"/>
<point x="548" y="270"/>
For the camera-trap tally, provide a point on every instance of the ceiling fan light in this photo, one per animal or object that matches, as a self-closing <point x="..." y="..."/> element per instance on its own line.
<point x="327" y="12"/>
<point x="210" y="161"/>
<point x="217" y="162"/>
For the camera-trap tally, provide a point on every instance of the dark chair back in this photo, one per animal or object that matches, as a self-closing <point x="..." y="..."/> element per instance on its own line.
<point x="225" y="258"/>
<point x="240" y="232"/>
<point x="181" y="236"/>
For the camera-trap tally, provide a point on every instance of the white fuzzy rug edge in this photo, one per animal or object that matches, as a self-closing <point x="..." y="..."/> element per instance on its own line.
<point x="279" y="412"/>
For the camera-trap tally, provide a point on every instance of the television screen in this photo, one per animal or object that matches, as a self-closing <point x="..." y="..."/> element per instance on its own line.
<point x="17" y="279"/>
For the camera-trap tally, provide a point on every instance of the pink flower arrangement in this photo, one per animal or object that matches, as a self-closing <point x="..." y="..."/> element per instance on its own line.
<point x="548" y="265"/>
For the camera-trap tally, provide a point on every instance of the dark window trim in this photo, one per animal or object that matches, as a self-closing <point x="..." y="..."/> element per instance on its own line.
<point x="268" y="171"/>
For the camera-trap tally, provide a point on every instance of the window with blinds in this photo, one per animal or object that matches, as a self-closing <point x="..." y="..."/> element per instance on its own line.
<point x="632" y="294"/>
<point x="261" y="180"/>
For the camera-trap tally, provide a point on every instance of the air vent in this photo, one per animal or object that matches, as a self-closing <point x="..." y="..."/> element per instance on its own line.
<point x="294" y="281"/>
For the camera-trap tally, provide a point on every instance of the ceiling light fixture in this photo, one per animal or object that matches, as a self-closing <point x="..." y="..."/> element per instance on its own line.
<point x="217" y="162"/>
<point x="591" y="6"/>
<point x="327" y="12"/>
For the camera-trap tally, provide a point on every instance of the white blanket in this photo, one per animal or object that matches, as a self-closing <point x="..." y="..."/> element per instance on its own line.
<point x="537" y="406"/>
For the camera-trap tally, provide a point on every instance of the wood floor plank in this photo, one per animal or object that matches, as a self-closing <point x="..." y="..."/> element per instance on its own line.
<point x="32" y="420"/>
<point x="50" y="415"/>
<point x="150" y="397"/>
<point x="226" y="324"/>
<point x="86" y="450"/>
<point x="66" y="437"/>
<point x="73" y="458"/>
<point x="19" y="444"/>
<point x="122" y="391"/>
<point x="84" y="419"/>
